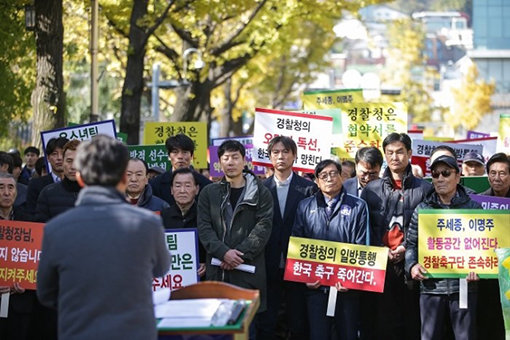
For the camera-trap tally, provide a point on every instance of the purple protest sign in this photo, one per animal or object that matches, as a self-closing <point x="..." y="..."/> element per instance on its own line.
<point x="491" y="202"/>
<point x="475" y="134"/>
<point x="214" y="162"/>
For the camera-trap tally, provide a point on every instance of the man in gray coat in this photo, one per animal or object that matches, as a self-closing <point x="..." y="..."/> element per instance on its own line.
<point x="234" y="222"/>
<point x="98" y="259"/>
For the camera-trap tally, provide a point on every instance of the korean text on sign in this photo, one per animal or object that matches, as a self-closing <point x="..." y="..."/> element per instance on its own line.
<point x="354" y="266"/>
<point x="158" y="132"/>
<point x="367" y="124"/>
<point x="311" y="133"/>
<point x="153" y="155"/>
<point x="183" y="247"/>
<point x="328" y="99"/>
<point x="20" y="250"/>
<point x="452" y="243"/>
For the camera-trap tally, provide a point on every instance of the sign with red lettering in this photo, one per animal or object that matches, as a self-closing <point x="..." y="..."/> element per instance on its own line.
<point x="20" y="250"/>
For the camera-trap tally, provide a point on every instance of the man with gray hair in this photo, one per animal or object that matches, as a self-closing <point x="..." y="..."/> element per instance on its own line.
<point x="98" y="259"/>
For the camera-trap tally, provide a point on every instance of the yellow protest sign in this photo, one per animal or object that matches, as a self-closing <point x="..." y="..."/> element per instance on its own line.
<point x="504" y="133"/>
<point x="158" y="132"/>
<point x="452" y="243"/>
<point x="355" y="266"/>
<point x="367" y="124"/>
<point x="330" y="99"/>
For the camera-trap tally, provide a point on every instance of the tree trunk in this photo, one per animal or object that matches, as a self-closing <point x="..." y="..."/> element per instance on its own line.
<point x="193" y="102"/>
<point x="48" y="98"/>
<point x="133" y="83"/>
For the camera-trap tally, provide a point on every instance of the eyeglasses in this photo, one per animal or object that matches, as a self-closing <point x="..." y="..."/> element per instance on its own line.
<point x="445" y="173"/>
<point x="324" y="175"/>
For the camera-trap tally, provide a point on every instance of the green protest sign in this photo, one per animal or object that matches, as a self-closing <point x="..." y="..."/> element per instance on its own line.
<point x="153" y="155"/>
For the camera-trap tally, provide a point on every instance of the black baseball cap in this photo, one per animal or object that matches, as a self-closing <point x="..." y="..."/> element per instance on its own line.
<point x="449" y="161"/>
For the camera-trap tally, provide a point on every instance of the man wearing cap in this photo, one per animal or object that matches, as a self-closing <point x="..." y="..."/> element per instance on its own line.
<point x="473" y="164"/>
<point x="440" y="296"/>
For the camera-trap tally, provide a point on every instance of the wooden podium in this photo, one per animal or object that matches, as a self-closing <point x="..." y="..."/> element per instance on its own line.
<point x="220" y="290"/>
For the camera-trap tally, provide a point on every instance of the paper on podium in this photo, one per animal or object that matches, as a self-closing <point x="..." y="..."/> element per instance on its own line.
<point x="188" y="308"/>
<point x="243" y="267"/>
<point x="160" y="296"/>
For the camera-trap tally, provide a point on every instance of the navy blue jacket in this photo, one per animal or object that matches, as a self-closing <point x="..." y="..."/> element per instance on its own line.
<point x="148" y="201"/>
<point x="299" y="188"/>
<point x="348" y="222"/>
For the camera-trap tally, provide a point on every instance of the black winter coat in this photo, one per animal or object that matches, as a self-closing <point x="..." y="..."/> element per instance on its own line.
<point x="55" y="199"/>
<point x="382" y="198"/>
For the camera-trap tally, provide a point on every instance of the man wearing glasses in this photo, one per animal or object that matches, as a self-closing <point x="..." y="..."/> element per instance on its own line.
<point x="369" y="161"/>
<point x="439" y="298"/>
<point x="391" y="202"/>
<point x="332" y="215"/>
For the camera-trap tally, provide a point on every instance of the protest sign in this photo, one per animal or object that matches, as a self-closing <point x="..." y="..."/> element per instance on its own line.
<point x="423" y="148"/>
<point x="492" y="202"/>
<point x="245" y="140"/>
<point x="153" y="155"/>
<point x="158" y="132"/>
<point x="354" y="266"/>
<point x="452" y="243"/>
<point x="367" y="124"/>
<point x="311" y="133"/>
<point x="415" y="134"/>
<point x="214" y="162"/>
<point x="504" y="133"/>
<point x="329" y="99"/>
<point x="183" y="248"/>
<point x="79" y="132"/>
<point x="475" y="134"/>
<point x="336" y="114"/>
<point x="489" y="145"/>
<point x="504" y="286"/>
<point x="477" y="183"/>
<point x="20" y="250"/>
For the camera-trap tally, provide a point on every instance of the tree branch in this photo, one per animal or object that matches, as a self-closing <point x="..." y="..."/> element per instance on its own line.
<point x="229" y="42"/>
<point x="184" y="35"/>
<point x="160" y="19"/>
<point x="170" y="53"/>
<point x="116" y="28"/>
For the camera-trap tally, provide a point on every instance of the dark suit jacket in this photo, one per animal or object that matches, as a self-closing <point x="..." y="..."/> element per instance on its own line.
<point x="278" y="243"/>
<point x="35" y="187"/>
<point x="351" y="186"/>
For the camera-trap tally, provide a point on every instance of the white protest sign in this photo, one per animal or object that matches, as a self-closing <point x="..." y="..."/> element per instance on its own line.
<point x="79" y="132"/>
<point x="423" y="148"/>
<point x="489" y="145"/>
<point x="312" y="134"/>
<point x="183" y="248"/>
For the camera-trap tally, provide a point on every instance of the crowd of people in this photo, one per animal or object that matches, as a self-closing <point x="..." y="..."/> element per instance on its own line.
<point x="99" y="250"/>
